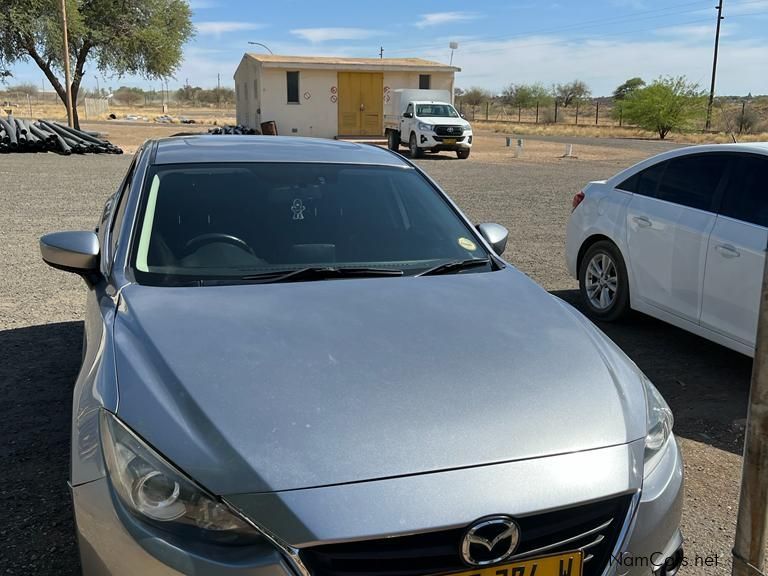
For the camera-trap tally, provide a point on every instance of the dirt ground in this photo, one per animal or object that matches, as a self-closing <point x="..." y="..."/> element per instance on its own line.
<point x="41" y="313"/>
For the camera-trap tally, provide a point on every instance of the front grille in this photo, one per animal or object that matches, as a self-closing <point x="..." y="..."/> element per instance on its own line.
<point x="594" y="528"/>
<point x="449" y="131"/>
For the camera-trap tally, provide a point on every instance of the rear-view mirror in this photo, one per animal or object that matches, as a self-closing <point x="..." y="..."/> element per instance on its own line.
<point x="76" y="252"/>
<point x="496" y="235"/>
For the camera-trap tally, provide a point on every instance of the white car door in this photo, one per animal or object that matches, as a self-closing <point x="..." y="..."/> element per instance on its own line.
<point x="669" y="220"/>
<point x="736" y="253"/>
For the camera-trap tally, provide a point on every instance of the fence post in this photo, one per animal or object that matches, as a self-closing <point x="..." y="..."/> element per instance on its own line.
<point x="597" y="112"/>
<point x="555" y="111"/>
<point x="487" y="105"/>
<point x="752" y="517"/>
<point x="537" y="111"/>
<point x="741" y="123"/>
<point x="577" y="112"/>
<point x="621" y="114"/>
<point x="519" y="113"/>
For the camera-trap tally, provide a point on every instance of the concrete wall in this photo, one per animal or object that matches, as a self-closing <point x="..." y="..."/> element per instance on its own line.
<point x="316" y="114"/>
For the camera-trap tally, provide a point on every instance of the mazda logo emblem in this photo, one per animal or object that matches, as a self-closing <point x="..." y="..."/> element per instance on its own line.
<point x="490" y="540"/>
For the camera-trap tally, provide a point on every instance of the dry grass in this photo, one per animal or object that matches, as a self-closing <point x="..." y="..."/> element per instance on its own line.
<point x="57" y="111"/>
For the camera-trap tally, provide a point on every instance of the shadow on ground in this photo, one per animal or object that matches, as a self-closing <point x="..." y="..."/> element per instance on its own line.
<point x="706" y="385"/>
<point x="38" y="367"/>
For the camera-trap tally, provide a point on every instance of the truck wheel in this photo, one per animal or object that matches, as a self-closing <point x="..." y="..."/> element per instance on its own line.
<point x="416" y="152"/>
<point x="393" y="140"/>
<point x="462" y="154"/>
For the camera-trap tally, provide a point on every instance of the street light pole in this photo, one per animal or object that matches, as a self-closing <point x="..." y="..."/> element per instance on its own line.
<point x="714" y="64"/>
<point x="68" y="87"/>
<point x="262" y="45"/>
<point x="749" y="546"/>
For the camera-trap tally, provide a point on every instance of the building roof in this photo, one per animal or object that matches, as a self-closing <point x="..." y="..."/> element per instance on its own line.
<point x="232" y="148"/>
<point x="342" y="63"/>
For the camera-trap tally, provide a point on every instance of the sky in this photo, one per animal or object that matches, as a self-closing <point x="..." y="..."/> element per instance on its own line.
<point x="602" y="42"/>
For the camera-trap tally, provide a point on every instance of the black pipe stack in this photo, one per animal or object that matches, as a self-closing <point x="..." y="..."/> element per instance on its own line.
<point x="20" y="135"/>
<point x="239" y="129"/>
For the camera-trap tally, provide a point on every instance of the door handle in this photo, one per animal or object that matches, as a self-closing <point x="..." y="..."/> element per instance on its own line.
<point x="362" y="107"/>
<point x="642" y="221"/>
<point x="727" y="251"/>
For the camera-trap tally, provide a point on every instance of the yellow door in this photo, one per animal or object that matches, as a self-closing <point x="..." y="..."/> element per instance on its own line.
<point x="361" y="103"/>
<point x="372" y="98"/>
<point x="349" y="104"/>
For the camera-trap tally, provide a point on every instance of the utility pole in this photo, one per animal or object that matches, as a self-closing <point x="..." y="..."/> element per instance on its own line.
<point x="218" y="90"/>
<point x="381" y="52"/>
<point x="749" y="547"/>
<point x="66" y="63"/>
<point x="714" y="64"/>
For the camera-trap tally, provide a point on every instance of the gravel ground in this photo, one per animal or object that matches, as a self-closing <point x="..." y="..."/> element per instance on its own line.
<point x="41" y="330"/>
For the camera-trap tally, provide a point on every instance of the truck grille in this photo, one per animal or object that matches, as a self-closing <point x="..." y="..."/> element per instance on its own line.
<point x="593" y="528"/>
<point x="454" y="131"/>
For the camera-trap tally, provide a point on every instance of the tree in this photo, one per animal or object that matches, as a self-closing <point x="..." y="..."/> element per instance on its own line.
<point x="475" y="97"/>
<point x="525" y="95"/>
<point x="628" y="87"/>
<point x="26" y="88"/>
<point x="666" y="104"/>
<point x="571" y="92"/>
<point x="128" y="95"/>
<point x="142" y="37"/>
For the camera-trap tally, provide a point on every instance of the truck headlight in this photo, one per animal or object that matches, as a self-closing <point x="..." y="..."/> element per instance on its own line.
<point x="659" y="421"/>
<point x="426" y="127"/>
<point x="467" y="128"/>
<point x="154" y="491"/>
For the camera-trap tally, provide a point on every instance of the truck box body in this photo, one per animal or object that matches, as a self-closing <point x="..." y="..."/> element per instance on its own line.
<point x="399" y="99"/>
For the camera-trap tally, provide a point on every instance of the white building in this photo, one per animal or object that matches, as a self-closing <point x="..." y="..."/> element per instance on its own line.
<point x="328" y="97"/>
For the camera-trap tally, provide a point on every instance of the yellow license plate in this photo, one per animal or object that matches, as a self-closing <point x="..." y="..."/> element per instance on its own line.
<point x="449" y="141"/>
<point x="568" y="564"/>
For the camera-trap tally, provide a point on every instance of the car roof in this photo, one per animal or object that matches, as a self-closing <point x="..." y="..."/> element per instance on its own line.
<point x="201" y="148"/>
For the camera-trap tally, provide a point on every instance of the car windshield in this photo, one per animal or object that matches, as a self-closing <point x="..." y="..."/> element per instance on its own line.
<point x="244" y="221"/>
<point x="436" y="111"/>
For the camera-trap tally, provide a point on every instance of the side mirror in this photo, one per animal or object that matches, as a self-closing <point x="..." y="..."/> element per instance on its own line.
<point x="407" y="115"/>
<point x="76" y="252"/>
<point x="496" y="235"/>
<point x="463" y="116"/>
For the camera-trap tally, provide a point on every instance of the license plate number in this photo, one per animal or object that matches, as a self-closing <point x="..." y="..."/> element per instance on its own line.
<point x="449" y="141"/>
<point x="568" y="564"/>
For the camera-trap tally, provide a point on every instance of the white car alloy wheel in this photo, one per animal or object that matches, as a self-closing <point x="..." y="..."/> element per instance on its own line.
<point x="601" y="281"/>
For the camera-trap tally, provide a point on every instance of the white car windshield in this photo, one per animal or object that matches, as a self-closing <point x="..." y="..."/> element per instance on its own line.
<point x="436" y="111"/>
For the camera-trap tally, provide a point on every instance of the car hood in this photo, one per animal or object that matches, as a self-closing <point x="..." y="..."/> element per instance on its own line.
<point x="442" y="121"/>
<point x="269" y="387"/>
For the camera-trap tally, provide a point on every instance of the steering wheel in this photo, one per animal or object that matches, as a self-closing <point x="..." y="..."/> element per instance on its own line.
<point x="212" y="237"/>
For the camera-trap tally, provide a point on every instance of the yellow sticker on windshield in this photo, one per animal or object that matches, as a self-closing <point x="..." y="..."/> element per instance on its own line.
<point x="467" y="244"/>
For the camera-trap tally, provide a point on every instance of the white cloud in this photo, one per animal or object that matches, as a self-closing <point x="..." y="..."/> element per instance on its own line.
<point x="689" y="33"/>
<point x="438" y="18"/>
<point x="217" y="28"/>
<point x="315" y="35"/>
<point x="604" y="64"/>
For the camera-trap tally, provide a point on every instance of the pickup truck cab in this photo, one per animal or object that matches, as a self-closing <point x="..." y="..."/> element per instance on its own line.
<point x="431" y="125"/>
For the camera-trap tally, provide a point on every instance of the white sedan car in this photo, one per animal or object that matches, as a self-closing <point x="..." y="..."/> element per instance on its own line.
<point x="682" y="237"/>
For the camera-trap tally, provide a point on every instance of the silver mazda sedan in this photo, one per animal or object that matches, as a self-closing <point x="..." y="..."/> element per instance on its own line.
<point x="302" y="359"/>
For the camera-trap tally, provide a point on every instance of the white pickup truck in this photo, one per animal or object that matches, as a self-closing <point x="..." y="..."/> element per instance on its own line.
<point x="424" y="120"/>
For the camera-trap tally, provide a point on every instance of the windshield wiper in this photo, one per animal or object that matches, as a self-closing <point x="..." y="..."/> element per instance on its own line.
<point x="454" y="266"/>
<point x="320" y="273"/>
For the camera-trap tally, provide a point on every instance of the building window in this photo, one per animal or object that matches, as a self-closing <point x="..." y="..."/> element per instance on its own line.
<point x="425" y="81"/>
<point x="292" y="81"/>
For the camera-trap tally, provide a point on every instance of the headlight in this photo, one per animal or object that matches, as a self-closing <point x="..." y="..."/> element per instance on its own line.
<point x="154" y="491"/>
<point x="467" y="128"/>
<point x="659" y="425"/>
<point x="427" y="127"/>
